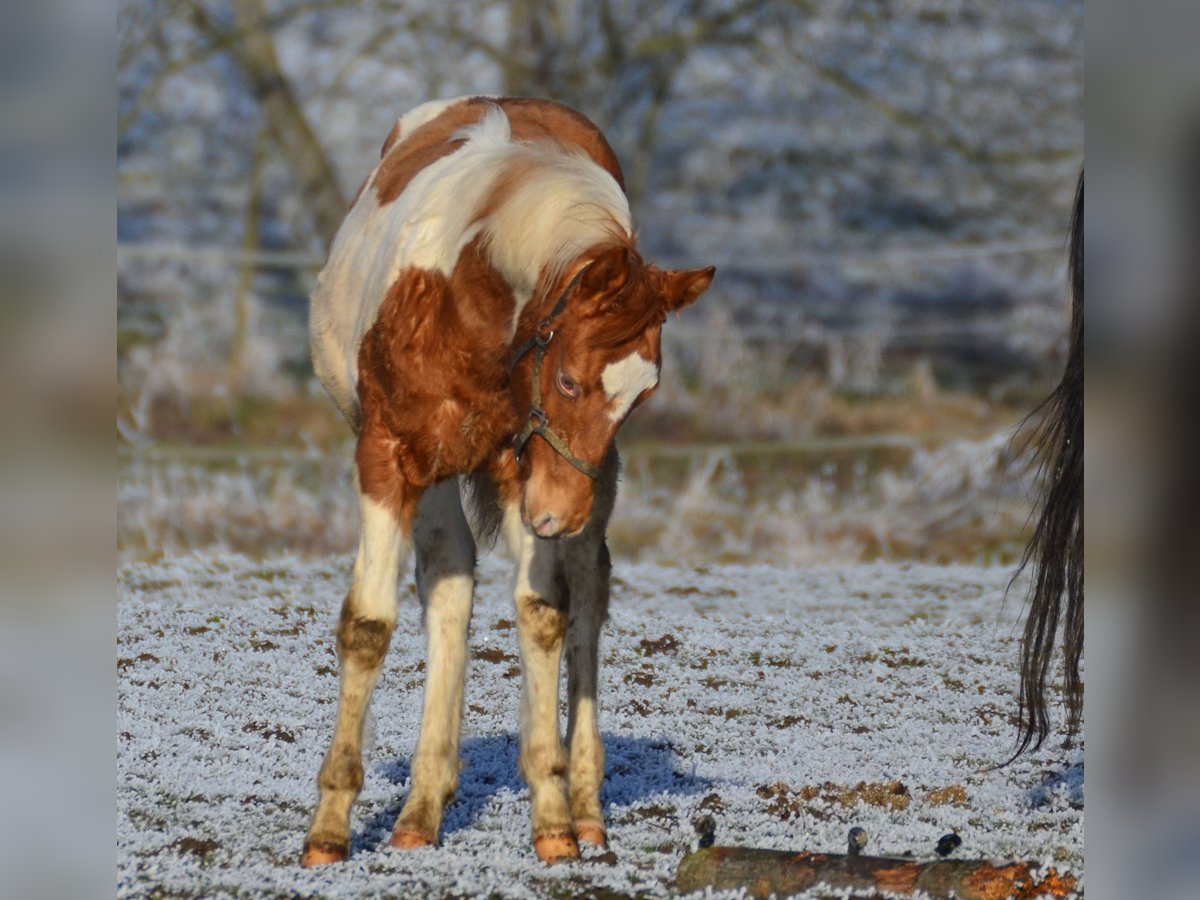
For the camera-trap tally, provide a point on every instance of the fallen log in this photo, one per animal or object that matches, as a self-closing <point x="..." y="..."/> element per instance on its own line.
<point x="780" y="872"/>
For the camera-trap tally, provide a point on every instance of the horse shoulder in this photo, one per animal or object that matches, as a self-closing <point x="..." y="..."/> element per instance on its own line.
<point x="427" y="379"/>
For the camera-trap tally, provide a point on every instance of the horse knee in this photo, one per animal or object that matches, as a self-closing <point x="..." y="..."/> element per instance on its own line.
<point x="361" y="640"/>
<point x="543" y="622"/>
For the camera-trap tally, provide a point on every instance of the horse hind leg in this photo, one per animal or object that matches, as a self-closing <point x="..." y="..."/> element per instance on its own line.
<point x="364" y="632"/>
<point x="446" y="583"/>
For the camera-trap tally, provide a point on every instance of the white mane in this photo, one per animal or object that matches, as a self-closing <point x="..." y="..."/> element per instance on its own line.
<point x="562" y="203"/>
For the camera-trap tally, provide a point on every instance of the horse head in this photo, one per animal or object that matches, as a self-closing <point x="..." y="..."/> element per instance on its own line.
<point x="589" y="361"/>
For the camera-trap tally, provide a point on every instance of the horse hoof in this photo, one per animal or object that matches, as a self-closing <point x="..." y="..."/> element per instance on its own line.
<point x="405" y="838"/>
<point x="557" y="846"/>
<point x="591" y="831"/>
<point x="322" y="853"/>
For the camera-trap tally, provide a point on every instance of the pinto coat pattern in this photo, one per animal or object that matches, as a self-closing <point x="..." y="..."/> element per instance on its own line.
<point x="492" y="245"/>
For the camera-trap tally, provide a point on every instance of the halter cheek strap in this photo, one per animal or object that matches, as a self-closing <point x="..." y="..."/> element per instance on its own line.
<point x="538" y="423"/>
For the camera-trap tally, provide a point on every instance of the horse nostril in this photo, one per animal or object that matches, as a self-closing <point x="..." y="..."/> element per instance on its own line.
<point x="546" y="526"/>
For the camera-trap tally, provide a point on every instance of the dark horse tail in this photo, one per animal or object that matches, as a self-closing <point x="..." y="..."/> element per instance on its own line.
<point x="1055" y="554"/>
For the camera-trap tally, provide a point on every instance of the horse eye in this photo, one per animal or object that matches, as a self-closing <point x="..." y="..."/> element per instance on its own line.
<point x="567" y="385"/>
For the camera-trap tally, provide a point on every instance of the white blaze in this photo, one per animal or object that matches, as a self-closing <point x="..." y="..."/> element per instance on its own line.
<point x="625" y="380"/>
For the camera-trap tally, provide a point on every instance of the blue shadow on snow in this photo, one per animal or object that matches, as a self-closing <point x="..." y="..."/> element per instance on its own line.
<point x="635" y="768"/>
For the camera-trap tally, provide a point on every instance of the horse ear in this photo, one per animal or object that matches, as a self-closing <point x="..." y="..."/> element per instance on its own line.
<point x="681" y="288"/>
<point x="607" y="273"/>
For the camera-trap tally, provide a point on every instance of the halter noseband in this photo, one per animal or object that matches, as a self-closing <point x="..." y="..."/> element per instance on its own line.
<point x="538" y="423"/>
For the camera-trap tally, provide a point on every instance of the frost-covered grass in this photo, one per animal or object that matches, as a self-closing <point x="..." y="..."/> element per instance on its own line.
<point x="790" y="703"/>
<point x="846" y="500"/>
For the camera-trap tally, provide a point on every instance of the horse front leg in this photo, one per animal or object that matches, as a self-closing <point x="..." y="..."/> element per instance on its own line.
<point x="587" y="568"/>
<point x="364" y="632"/>
<point x="540" y="598"/>
<point x="446" y="584"/>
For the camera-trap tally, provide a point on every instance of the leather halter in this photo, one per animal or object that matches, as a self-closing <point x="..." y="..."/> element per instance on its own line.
<point x="538" y="423"/>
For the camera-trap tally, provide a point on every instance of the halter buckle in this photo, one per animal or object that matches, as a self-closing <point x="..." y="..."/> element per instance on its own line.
<point x="536" y="423"/>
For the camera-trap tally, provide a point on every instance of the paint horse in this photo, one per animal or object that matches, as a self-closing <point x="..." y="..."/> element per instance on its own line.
<point x="484" y="321"/>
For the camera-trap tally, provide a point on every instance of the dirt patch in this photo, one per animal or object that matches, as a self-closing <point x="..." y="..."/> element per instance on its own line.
<point x="653" y="811"/>
<point x="668" y="643"/>
<point x="642" y="709"/>
<point x="196" y="846"/>
<point x="677" y="591"/>
<point x="788" y="802"/>
<point x="492" y="655"/>
<point x="125" y="662"/>
<point x="787" y="722"/>
<point x="951" y="795"/>
<point x="643" y="677"/>
<point x="267" y="732"/>
<point x="894" y="658"/>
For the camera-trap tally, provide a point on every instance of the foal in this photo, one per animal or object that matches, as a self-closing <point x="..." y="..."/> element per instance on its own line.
<point x="484" y="319"/>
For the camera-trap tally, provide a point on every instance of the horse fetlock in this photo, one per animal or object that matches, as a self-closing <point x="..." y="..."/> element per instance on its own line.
<point x="435" y="775"/>
<point x="542" y="763"/>
<point x="419" y="822"/>
<point x="551" y="809"/>
<point x="585" y="799"/>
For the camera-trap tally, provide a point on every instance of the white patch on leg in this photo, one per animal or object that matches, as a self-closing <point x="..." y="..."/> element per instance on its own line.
<point x="445" y="566"/>
<point x="624" y="382"/>
<point x="382" y="547"/>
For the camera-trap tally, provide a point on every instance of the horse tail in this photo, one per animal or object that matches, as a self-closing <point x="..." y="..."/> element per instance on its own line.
<point x="1055" y="553"/>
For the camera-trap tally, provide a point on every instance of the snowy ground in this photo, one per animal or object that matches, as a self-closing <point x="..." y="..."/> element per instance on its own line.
<point x="791" y="704"/>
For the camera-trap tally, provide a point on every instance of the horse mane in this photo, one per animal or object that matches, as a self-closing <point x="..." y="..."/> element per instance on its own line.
<point x="1055" y="553"/>
<point x="549" y="203"/>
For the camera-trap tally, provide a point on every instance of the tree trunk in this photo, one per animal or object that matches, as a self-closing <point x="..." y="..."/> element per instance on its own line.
<point x="254" y="51"/>
<point x="245" y="285"/>
<point x="766" y="872"/>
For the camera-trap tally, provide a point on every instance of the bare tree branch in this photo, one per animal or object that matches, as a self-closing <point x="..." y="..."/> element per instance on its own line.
<point x="252" y="47"/>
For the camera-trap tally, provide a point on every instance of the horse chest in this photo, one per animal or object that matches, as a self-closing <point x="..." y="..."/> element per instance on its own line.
<point x="435" y="381"/>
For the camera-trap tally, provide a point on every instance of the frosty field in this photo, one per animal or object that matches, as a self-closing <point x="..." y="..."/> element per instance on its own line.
<point x="789" y="703"/>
